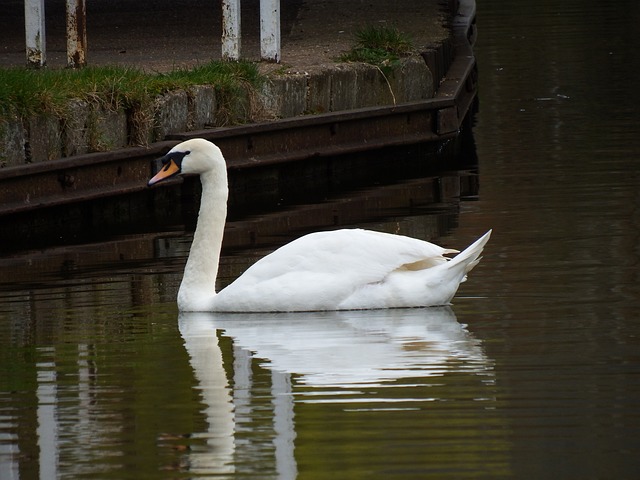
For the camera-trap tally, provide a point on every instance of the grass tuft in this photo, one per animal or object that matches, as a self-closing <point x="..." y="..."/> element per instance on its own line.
<point x="379" y="45"/>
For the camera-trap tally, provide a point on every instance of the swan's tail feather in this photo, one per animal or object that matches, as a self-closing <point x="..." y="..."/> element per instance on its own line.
<point x="470" y="256"/>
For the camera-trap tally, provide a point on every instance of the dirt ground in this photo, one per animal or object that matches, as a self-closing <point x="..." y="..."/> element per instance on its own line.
<point x="159" y="35"/>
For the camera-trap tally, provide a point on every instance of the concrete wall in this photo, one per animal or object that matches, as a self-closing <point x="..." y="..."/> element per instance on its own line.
<point x="285" y="94"/>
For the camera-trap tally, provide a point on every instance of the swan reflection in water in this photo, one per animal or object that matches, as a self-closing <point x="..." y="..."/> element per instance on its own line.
<point x="336" y="351"/>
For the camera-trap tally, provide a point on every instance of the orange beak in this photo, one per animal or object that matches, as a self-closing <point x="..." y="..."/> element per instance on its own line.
<point x="168" y="170"/>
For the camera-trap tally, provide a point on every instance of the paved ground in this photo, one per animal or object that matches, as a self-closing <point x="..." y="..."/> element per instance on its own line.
<point x="161" y="34"/>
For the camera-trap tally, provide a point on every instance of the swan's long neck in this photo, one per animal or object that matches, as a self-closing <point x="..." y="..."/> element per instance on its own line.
<point x="197" y="290"/>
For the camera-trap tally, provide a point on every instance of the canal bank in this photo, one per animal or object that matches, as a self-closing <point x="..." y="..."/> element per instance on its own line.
<point x="428" y="104"/>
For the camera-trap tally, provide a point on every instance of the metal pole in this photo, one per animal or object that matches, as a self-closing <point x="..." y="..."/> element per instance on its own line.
<point x="231" y="29"/>
<point x="34" y="32"/>
<point x="76" y="33"/>
<point x="270" y="30"/>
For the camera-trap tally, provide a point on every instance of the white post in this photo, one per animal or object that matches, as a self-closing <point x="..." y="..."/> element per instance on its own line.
<point x="270" y="30"/>
<point x="35" y="33"/>
<point x="76" y="33"/>
<point x="231" y="29"/>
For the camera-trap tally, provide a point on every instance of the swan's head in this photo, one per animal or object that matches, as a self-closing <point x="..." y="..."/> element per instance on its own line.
<point x="195" y="156"/>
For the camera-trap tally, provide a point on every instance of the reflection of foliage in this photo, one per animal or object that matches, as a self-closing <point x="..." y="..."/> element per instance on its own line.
<point x="379" y="45"/>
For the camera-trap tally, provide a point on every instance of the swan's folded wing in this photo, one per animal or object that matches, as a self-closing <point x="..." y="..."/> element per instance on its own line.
<point x="318" y="270"/>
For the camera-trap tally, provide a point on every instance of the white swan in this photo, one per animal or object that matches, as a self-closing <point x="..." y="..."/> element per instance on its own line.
<point x="337" y="270"/>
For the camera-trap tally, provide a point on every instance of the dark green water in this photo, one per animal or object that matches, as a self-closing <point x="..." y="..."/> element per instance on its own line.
<point x="534" y="372"/>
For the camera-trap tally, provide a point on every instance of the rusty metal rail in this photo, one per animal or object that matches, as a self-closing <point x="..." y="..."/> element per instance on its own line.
<point x="86" y="177"/>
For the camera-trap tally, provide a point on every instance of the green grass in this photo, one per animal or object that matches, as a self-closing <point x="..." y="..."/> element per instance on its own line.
<point x="379" y="45"/>
<point x="25" y="92"/>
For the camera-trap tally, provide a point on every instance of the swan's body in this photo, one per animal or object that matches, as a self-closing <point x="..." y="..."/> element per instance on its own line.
<point x="338" y="270"/>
